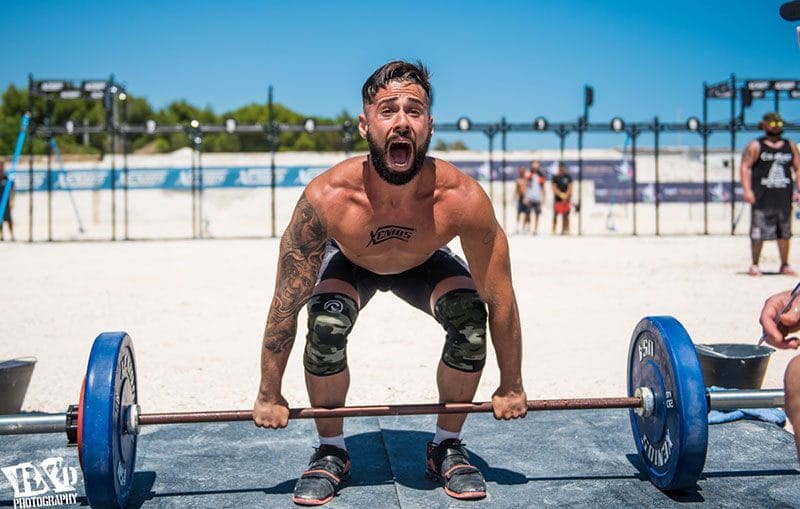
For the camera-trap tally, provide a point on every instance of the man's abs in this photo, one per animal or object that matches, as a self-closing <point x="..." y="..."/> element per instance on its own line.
<point x="387" y="259"/>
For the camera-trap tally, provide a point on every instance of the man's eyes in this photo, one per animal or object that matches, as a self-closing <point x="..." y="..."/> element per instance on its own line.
<point x="389" y="111"/>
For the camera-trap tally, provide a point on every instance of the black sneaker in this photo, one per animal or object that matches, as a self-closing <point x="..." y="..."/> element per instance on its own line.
<point x="448" y="463"/>
<point x="327" y="467"/>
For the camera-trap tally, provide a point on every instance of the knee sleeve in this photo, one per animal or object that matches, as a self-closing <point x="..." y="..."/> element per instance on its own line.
<point x="462" y="313"/>
<point x="330" y="319"/>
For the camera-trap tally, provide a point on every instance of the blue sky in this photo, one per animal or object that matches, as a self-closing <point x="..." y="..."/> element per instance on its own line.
<point x="488" y="59"/>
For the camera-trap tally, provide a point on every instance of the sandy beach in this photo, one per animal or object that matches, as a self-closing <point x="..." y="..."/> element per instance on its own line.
<point x="196" y="312"/>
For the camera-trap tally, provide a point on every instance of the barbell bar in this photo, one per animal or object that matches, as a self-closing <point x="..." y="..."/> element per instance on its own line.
<point x="727" y="399"/>
<point x="667" y="400"/>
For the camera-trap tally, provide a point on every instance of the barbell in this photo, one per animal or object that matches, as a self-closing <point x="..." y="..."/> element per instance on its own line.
<point x="667" y="401"/>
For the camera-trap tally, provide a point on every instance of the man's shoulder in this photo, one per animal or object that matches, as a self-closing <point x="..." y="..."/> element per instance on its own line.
<point x="459" y="197"/>
<point x="347" y="174"/>
<point x="449" y="177"/>
<point x="329" y="186"/>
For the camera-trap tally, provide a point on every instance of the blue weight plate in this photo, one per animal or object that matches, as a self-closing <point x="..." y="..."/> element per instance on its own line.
<point x="108" y="452"/>
<point x="673" y="441"/>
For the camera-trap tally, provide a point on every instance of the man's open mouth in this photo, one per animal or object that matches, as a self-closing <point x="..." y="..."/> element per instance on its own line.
<point x="400" y="153"/>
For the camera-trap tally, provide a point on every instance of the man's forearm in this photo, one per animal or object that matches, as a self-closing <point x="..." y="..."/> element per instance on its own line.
<point x="507" y="341"/>
<point x="278" y="340"/>
<point x="745" y="178"/>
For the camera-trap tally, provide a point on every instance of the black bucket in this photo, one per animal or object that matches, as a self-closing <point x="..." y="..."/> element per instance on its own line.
<point x="732" y="365"/>
<point x="15" y="375"/>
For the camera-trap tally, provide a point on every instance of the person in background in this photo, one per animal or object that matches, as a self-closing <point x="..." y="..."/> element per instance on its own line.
<point x="766" y="173"/>
<point x="4" y="181"/>
<point x="562" y="192"/>
<point x="523" y="208"/>
<point x="535" y="193"/>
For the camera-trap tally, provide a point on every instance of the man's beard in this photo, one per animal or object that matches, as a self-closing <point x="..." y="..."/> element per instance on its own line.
<point x="774" y="134"/>
<point x="397" y="178"/>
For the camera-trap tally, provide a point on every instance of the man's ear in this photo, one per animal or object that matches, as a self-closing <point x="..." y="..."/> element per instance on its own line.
<point x="363" y="127"/>
<point x="432" y="128"/>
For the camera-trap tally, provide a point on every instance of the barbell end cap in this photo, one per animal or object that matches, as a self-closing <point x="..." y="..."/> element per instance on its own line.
<point x="132" y="419"/>
<point x="72" y="425"/>
<point x="648" y="401"/>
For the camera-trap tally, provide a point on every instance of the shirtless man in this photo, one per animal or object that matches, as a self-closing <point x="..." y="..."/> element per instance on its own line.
<point x="382" y="222"/>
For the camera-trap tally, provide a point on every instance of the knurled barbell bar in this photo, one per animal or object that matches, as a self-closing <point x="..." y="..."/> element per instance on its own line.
<point x="642" y="402"/>
<point x="667" y="399"/>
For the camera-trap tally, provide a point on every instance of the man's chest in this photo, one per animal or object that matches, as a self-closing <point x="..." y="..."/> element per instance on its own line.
<point x="412" y="231"/>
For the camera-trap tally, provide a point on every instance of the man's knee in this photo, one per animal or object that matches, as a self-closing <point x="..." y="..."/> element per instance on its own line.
<point x="330" y="319"/>
<point x="463" y="315"/>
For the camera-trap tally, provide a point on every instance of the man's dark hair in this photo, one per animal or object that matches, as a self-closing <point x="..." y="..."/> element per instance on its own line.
<point x="397" y="70"/>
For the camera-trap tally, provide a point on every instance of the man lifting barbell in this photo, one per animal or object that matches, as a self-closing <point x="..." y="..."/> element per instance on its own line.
<point x="382" y="222"/>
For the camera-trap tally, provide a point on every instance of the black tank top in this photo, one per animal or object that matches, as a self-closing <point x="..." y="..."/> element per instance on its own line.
<point x="772" y="176"/>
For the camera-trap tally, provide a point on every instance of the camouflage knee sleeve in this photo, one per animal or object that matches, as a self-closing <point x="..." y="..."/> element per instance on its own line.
<point x="462" y="313"/>
<point x="330" y="318"/>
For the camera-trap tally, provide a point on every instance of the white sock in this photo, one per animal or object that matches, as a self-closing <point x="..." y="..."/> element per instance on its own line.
<point x="337" y="441"/>
<point x="443" y="434"/>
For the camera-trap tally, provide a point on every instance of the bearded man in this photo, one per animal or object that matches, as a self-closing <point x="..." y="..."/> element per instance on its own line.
<point x="382" y="222"/>
<point x="766" y="171"/>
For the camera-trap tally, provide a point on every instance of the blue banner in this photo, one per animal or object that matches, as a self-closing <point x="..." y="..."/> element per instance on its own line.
<point x="167" y="178"/>
<point x="612" y="179"/>
<point x="669" y="192"/>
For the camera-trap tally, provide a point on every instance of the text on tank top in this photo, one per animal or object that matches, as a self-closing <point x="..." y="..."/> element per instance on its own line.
<point x="772" y="177"/>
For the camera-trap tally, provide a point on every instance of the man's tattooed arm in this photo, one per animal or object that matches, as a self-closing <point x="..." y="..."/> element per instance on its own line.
<point x="301" y="250"/>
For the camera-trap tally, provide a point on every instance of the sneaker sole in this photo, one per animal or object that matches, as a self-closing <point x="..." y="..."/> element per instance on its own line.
<point x="467" y="495"/>
<point x="311" y="501"/>
<point x="322" y="501"/>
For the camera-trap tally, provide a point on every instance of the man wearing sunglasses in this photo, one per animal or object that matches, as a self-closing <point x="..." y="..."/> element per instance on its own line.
<point x="766" y="172"/>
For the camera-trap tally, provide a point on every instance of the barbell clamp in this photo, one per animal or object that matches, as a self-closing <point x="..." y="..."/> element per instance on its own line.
<point x="132" y="419"/>
<point x="648" y="401"/>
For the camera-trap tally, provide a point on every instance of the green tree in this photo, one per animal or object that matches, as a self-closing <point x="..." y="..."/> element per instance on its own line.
<point x="137" y="110"/>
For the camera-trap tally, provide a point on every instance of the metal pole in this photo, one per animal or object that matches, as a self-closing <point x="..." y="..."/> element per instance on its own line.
<point x="656" y="138"/>
<point x="385" y="410"/>
<point x="634" y="132"/>
<point x="490" y="133"/>
<point x="734" y="399"/>
<point x="197" y="147"/>
<point x="733" y="149"/>
<point x="584" y="122"/>
<point x="31" y="135"/>
<point x="125" y="164"/>
<point x="503" y="128"/>
<point x="193" y="174"/>
<point x="581" y="127"/>
<point x="49" y="152"/>
<point x="24" y="424"/>
<point x="19" y="424"/>
<point x="111" y="126"/>
<point x="273" y="142"/>
<point x="705" y="161"/>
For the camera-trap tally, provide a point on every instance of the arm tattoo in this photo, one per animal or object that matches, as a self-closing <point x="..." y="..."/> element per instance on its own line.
<point x="302" y="247"/>
<point x="489" y="236"/>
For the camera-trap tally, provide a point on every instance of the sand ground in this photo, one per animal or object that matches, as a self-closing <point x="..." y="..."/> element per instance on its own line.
<point x="196" y="312"/>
